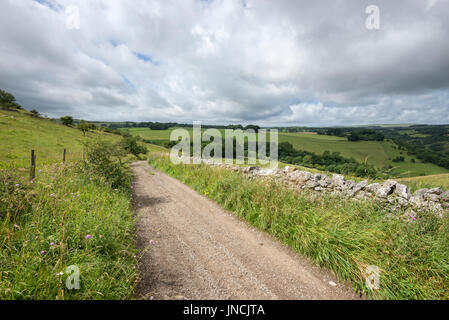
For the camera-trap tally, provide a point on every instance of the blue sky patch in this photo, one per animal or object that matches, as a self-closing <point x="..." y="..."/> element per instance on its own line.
<point x="146" y="58"/>
<point x="128" y="82"/>
<point x="52" y="4"/>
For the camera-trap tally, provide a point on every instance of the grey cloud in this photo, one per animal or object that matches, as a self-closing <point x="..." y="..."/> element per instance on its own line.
<point x="269" y="62"/>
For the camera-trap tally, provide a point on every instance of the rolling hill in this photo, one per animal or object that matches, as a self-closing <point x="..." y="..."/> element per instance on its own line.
<point x="20" y="132"/>
<point x="378" y="153"/>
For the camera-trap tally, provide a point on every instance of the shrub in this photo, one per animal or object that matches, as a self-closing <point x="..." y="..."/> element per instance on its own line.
<point x="84" y="126"/>
<point x="67" y="120"/>
<point x="35" y="113"/>
<point x="131" y="145"/>
<point x="104" y="158"/>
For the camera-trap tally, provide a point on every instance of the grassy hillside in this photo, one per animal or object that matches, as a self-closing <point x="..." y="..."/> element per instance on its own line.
<point x="379" y="154"/>
<point x="69" y="216"/>
<point x="75" y="214"/>
<point x="20" y="132"/>
<point x="438" y="180"/>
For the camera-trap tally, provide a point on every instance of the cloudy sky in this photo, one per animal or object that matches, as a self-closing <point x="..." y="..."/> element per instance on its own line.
<point x="292" y="62"/>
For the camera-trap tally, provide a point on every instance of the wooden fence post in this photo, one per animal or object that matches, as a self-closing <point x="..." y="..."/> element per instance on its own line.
<point x="33" y="165"/>
<point x="63" y="155"/>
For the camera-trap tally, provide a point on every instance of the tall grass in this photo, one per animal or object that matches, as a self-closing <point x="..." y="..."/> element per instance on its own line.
<point x="433" y="181"/>
<point x="343" y="236"/>
<point x="70" y="215"/>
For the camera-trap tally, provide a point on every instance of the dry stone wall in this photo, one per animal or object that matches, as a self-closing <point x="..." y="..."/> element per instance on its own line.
<point x="390" y="192"/>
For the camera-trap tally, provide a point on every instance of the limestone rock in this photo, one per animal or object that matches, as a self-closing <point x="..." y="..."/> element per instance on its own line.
<point x="249" y="169"/>
<point x="372" y="188"/>
<point x="338" y="181"/>
<point x="288" y="169"/>
<point x="444" y="197"/>
<point x="436" y="191"/>
<point x="359" y="186"/>
<point x="419" y="194"/>
<point x="325" y="181"/>
<point x="402" y="191"/>
<point x="386" y="188"/>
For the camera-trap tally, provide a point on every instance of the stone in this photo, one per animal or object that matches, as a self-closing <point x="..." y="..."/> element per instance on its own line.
<point x="288" y="169"/>
<point x="359" y="186"/>
<point x="432" y="197"/>
<point x="419" y="194"/>
<point x="402" y="191"/>
<point x="372" y="188"/>
<point x="350" y="184"/>
<point x="436" y="191"/>
<point x="444" y="197"/>
<point x="265" y="172"/>
<point x="325" y="182"/>
<point x="311" y="184"/>
<point x="416" y="200"/>
<point x="249" y="169"/>
<point x="386" y="189"/>
<point x="338" y="180"/>
<point x="303" y="177"/>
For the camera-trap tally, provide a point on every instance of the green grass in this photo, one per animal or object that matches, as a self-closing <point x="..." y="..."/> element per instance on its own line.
<point x="343" y="236"/>
<point x="439" y="180"/>
<point x="64" y="204"/>
<point x="379" y="154"/>
<point x="413" y="133"/>
<point x="20" y="132"/>
<point x="58" y="209"/>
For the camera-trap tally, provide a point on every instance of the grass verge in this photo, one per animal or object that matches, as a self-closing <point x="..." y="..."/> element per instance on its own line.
<point x="343" y="236"/>
<point x="70" y="215"/>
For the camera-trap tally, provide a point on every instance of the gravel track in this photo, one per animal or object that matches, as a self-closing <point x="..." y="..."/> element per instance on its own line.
<point x="194" y="249"/>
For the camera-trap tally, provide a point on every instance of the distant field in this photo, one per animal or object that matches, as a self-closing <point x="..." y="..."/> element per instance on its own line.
<point x="379" y="154"/>
<point x="414" y="133"/>
<point x="19" y="133"/>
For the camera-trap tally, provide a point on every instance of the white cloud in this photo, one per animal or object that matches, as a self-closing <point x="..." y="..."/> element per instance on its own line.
<point x="269" y="62"/>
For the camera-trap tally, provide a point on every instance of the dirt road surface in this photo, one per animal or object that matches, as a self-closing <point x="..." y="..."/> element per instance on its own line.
<point x="193" y="249"/>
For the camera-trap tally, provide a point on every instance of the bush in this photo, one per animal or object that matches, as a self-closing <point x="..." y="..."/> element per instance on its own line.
<point x="35" y="113"/>
<point x="67" y="120"/>
<point x="104" y="158"/>
<point x="84" y="126"/>
<point x="131" y="145"/>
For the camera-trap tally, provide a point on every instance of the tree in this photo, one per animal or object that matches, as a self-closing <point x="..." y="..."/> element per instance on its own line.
<point x="84" y="126"/>
<point x="6" y="97"/>
<point x="67" y="120"/>
<point x="252" y="126"/>
<point x="131" y="145"/>
<point x="8" y="100"/>
<point x="353" y="137"/>
<point x="34" y="112"/>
